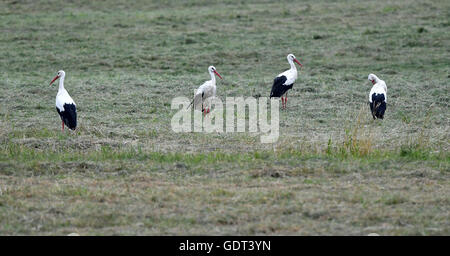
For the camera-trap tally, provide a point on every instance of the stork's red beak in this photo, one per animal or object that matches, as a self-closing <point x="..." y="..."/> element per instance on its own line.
<point x="218" y="74"/>
<point x="54" y="79"/>
<point x="298" y="62"/>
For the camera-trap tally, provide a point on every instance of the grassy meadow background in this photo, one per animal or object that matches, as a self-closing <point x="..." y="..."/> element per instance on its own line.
<point x="333" y="171"/>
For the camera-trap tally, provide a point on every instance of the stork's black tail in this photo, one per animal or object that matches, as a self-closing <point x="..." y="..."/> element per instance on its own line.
<point x="378" y="106"/>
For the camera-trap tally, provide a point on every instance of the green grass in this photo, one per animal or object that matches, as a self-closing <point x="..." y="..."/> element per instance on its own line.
<point x="333" y="171"/>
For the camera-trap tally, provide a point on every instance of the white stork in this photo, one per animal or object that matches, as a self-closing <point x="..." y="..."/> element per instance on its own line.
<point x="377" y="97"/>
<point x="284" y="81"/>
<point x="206" y="91"/>
<point x="65" y="105"/>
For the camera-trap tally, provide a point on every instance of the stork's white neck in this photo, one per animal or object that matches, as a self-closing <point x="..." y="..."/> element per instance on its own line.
<point x="61" y="83"/>
<point x="291" y="62"/>
<point x="213" y="77"/>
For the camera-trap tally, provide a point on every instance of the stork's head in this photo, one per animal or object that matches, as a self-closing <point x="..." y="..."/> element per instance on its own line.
<point x="212" y="70"/>
<point x="373" y="78"/>
<point x="60" y="73"/>
<point x="292" y="58"/>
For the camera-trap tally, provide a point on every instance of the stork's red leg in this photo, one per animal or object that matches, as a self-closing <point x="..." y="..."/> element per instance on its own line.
<point x="285" y="100"/>
<point x="62" y="123"/>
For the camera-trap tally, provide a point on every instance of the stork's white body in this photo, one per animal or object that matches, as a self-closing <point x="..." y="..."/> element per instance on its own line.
<point x="290" y="74"/>
<point x="63" y="96"/>
<point x="378" y="88"/>
<point x="206" y="92"/>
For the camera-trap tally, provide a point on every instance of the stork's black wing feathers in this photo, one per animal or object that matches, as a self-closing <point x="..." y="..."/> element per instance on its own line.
<point x="69" y="115"/>
<point x="278" y="87"/>
<point x="378" y="106"/>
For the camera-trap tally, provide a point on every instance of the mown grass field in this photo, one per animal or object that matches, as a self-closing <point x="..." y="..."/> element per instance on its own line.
<point x="333" y="171"/>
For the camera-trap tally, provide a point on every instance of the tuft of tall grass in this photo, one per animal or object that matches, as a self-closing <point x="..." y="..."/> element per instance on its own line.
<point x="418" y="147"/>
<point x="357" y="142"/>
